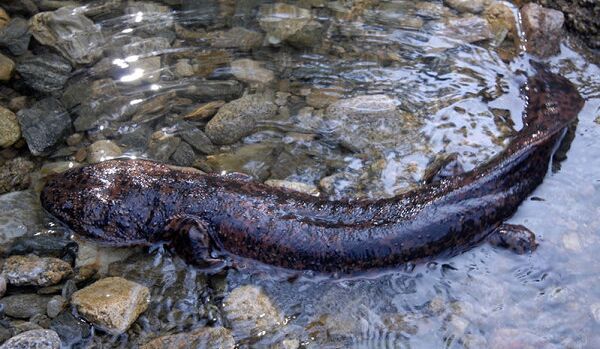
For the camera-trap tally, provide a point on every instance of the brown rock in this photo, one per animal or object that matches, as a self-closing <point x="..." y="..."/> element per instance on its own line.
<point x="112" y="303"/>
<point x="205" y="337"/>
<point x="7" y="67"/>
<point x="15" y="175"/>
<point x="32" y="270"/>
<point x="4" y="18"/>
<point x="10" y="131"/>
<point x="501" y="19"/>
<point x="103" y="150"/>
<point x="543" y="29"/>
<point x="250" y="311"/>
<point x="205" y="110"/>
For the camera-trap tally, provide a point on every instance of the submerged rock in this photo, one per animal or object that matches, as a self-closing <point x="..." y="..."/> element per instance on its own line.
<point x="543" y="29"/>
<point x="112" y="303"/>
<point x="295" y="186"/>
<point x="24" y="306"/>
<point x="10" y="131"/>
<point x="238" y="118"/>
<point x="34" y="339"/>
<point x="7" y="67"/>
<point x="471" y="6"/>
<point x="255" y="160"/>
<point x="15" y="36"/>
<point x="251" y="71"/>
<point x="15" y="175"/>
<point x="204" y="337"/>
<point x="237" y="38"/>
<point x="31" y="270"/>
<point x="103" y="150"/>
<point x="250" y="312"/>
<point x="74" y="35"/>
<point x="20" y="214"/>
<point x="468" y="29"/>
<point x="44" y="124"/>
<point x="45" y="73"/>
<point x="281" y="21"/>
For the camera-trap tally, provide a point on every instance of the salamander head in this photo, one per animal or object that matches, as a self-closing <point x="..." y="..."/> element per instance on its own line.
<point x="113" y="202"/>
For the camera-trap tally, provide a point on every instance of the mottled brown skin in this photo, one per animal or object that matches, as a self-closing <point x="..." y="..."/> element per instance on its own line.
<point x="131" y="202"/>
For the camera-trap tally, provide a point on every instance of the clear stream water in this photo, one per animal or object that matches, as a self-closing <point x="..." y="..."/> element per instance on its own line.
<point x="435" y="91"/>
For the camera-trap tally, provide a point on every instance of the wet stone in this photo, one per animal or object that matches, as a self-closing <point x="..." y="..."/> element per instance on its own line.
<point x="238" y="38"/>
<point x="184" y="155"/>
<point x="211" y="90"/>
<point x="471" y="6"/>
<point x="7" y="67"/>
<point x="45" y="73"/>
<point x="162" y="146"/>
<point x="44" y="124"/>
<point x="16" y="36"/>
<point x="250" y="312"/>
<point x="15" y="175"/>
<point x="75" y="36"/>
<point x="204" y="337"/>
<point x="295" y="186"/>
<point x="112" y="303"/>
<point x="31" y="270"/>
<point x="2" y="285"/>
<point x="281" y="21"/>
<point x="255" y="160"/>
<point x="4" y="19"/>
<point x="24" y="306"/>
<point x="205" y="111"/>
<point x="543" y="29"/>
<point x="55" y="306"/>
<point x="148" y="17"/>
<point x="70" y="329"/>
<point x="10" y="131"/>
<point x="238" y="118"/>
<point x="38" y="339"/>
<point x="20" y="214"/>
<point x="251" y="71"/>
<point x="198" y="140"/>
<point x="103" y="150"/>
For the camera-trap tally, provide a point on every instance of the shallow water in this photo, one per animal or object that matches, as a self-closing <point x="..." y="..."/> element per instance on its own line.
<point x="432" y="91"/>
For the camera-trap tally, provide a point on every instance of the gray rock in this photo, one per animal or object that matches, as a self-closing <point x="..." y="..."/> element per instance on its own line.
<point x="95" y="102"/>
<point x="162" y="146"/>
<point x="543" y="29"/>
<point x="212" y="90"/>
<point x="251" y="71"/>
<point x="31" y="270"/>
<point x="44" y="124"/>
<point x="2" y="285"/>
<point x="7" y="67"/>
<point x="55" y="306"/>
<point x="103" y="150"/>
<point x="198" y="140"/>
<point x="281" y="21"/>
<point x="238" y="118"/>
<point x="15" y="175"/>
<point x="34" y="339"/>
<point x="16" y="36"/>
<point x="74" y="35"/>
<point x="250" y="312"/>
<point x="20" y="214"/>
<point x="71" y="330"/>
<point x="184" y="155"/>
<point x="255" y="160"/>
<point x="45" y="73"/>
<point x="10" y="131"/>
<point x="204" y="337"/>
<point x="148" y="17"/>
<point x="43" y="245"/>
<point x="24" y="306"/>
<point x="471" y="6"/>
<point x="237" y="38"/>
<point x="468" y="29"/>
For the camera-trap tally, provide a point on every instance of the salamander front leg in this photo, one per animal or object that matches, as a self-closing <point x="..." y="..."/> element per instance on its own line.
<point x="516" y="238"/>
<point x="190" y="238"/>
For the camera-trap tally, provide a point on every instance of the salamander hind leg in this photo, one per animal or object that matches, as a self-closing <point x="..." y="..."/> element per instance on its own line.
<point x="190" y="238"/>
<point x="516" y="238"/>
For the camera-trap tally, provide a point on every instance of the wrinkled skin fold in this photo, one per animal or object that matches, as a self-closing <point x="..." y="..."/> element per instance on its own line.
<point x="131" y="202"/>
